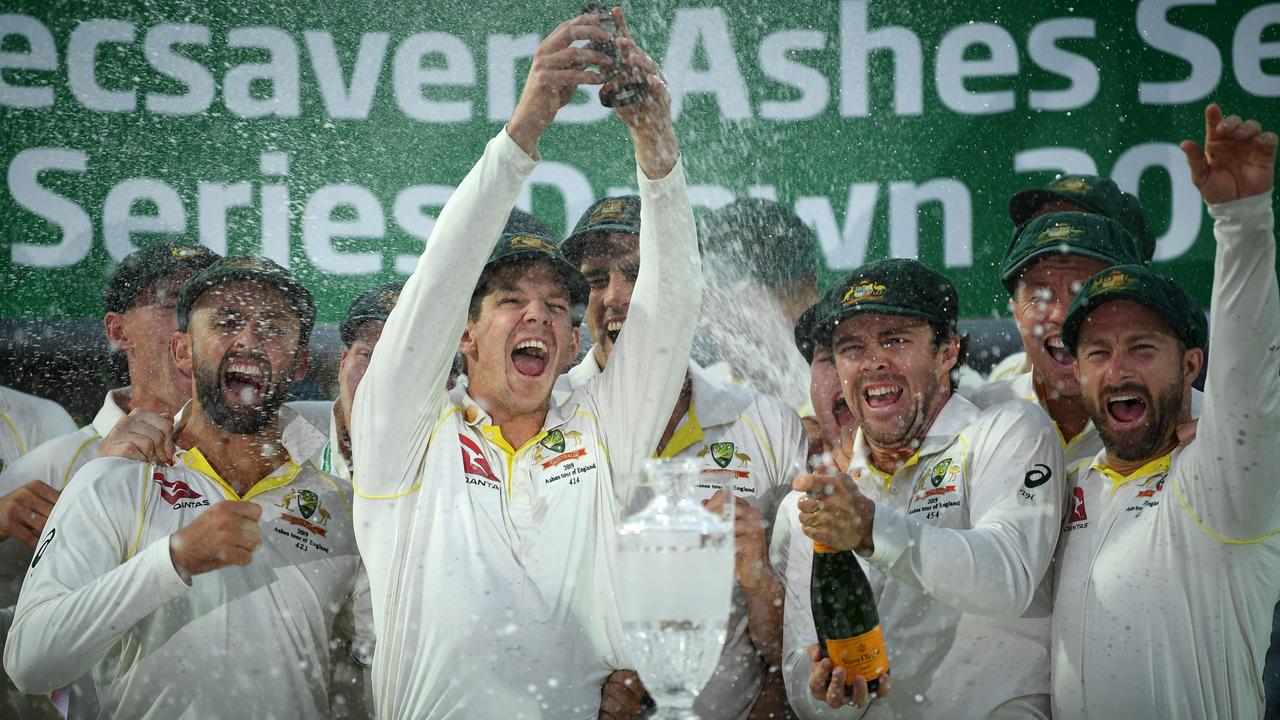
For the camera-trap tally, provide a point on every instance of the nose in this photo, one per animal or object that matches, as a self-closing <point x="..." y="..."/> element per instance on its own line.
<point x="1119" y="369"/>
<point x="1055" y="310"/>
<point x="538" y="312"/>
<point x="618" y="293"/>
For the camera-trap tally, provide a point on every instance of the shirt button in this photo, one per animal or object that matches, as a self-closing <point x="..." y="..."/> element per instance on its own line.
<point x="893" y="490"/>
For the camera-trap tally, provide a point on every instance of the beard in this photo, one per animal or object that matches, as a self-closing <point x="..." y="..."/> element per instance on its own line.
<point x="1151" y="434"/>
<point x="240" y="419"/>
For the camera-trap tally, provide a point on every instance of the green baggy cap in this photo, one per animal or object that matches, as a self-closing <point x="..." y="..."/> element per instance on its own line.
<point x="804" y="332"/>
<point x="372" y="304"/>
<point x="896" y="286"/>
<point x="1140" y="285"/>
<point x="254" y="269"/>
<point x="1067" y="233"/>
<point x="1099" y="195"/>
<point x="514" y="246"/>
<point x="140" y="269"/>
<point x="608" y="215"/>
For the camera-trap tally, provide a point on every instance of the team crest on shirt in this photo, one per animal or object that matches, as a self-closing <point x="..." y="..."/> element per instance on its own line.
<point x="731" y="461"/>
<point x="177" y="493"/>
<point x="553" y="448"/>
<point x="938" y="489"/>
<point x="308" y="505"/>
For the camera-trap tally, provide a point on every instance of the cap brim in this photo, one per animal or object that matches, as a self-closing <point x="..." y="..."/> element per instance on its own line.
<point x="1072" y="324"/>
<point x="578" y="289"/>
<point x="576" y="244"/>
<point x="825" y="328"/>
<point x="1010" y="276"/>
<point x="1023" y="205"/>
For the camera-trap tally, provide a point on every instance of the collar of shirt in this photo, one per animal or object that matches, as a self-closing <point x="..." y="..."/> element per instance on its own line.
<point x="1153" y="467"/>
<point x="954" y="417"/>
<point x="477" y="417"/>
<point x="279" y="477"/>
<point x="110" y="412"/>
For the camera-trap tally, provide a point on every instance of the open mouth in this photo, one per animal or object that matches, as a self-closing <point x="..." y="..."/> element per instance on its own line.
<point x="881" y="395"/>
<point x="245" y="380"/>
<point x="612" y="329"/>
<point x="1057" y="351"/>
<point x="1126" y="409"/>
<point x="530" y="358"/>
<point x="840" y="410"/>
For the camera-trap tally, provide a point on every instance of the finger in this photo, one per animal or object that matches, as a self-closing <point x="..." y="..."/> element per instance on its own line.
<point x="1248" y="130"/>
<point x="161" y="423"/>
<point x="882" y="690"/>
<point x="860" y="692"/>
<point x="815" y="654"/>
<point x="808" y="504"/>
<point x="1212" y="116"/>
<point x="819" y="678"/>
<point x="576" y="58"/>
<point x="24" y="534"/>
<point x="571" y="78"/>
<point x="237" y="556"/>
<point x="564" y="33"/>
<point x="43" y="491"/>
<point x="835" y="689"/>
<point x="251" y="511"/>
<point x="1196" y="161"/>
<point x="250" y="536"/>
<point x="38" y="507"/>
<point x="1267" y="140"/>
<point x="610" y="705"/>
<point x="635" y="688"/>
<point x="620" y="19"/>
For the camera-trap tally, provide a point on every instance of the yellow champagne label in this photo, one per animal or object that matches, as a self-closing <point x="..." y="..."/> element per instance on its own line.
<point x="819" y="547"/>
<point x="863" y="654"/>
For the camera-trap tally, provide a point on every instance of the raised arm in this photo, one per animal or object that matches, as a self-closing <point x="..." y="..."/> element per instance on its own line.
<point x="403" y="391"/>
<point x="78" y="598"/>
<point x="1234" y="171"/>
<point x="639" y="387"/>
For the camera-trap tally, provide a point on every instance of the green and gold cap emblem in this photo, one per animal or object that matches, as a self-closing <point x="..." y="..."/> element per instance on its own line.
<point x="1138" y="284"/>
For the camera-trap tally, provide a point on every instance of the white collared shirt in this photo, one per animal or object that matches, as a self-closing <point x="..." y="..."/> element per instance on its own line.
<point x="26" y="421"/>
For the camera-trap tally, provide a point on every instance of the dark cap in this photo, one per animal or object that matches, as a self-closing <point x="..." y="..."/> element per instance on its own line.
<point x="254" y="269"/>
<point x="1067" y="233"/>
<point x="896" y="286"/>
<point x="608" y="215"/>
<point x="1098" y="195"/>
<point x="372" y="304"/>
<point x="761" y="240"/>
<point x="804" y="332"/>
<point x="520" y="221"/>
<point x="140" y="269"/>
<point x="513" y="247"/>
<point x="1140" y="285"/>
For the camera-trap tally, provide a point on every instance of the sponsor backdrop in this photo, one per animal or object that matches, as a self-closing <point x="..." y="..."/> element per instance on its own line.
<point x="327" y="135"/>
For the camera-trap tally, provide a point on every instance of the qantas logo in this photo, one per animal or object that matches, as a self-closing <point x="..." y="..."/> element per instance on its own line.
<point x="1078" y="519"/>
<point x="177" y="493"/>
<point x="473" y="461"/>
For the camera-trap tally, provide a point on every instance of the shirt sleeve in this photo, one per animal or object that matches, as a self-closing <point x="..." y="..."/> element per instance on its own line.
<point x="81" y="594"/>
<point x="1015" y="485"/>
<point x="1233" y="491"/>
<point x="638" y="389"/>
<point x="402" y="394"/>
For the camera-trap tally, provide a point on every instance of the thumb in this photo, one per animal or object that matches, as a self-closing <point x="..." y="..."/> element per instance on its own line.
<point x="1196" y="161"/>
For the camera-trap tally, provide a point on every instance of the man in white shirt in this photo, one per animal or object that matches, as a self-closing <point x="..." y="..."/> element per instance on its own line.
<point x="954" y="510"/>
<point x="1045" y="266"/>
<point x="179" y="603"/>
<point x="751" y="441"/>
<point x="1169" y="566"/>
<point x="492" y="582"/>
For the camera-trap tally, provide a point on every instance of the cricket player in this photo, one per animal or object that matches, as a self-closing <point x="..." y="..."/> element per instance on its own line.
<point x="752" y="442"/>
<point x="484" y="515"/>
<point x="954" y="509"/>
<point x="1073" y="193"/>
<point x="1169" y="567"/>
<point x="26" y="421"/>
<point x="1048" y="261"/>
<point x="209" y="588"/>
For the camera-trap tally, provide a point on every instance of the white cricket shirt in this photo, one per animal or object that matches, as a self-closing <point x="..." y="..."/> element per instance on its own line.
<point x="26" y="421"/>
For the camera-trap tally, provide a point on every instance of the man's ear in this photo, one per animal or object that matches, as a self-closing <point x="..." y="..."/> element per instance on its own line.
<point x="951" y="353"/>
<point x="467" y="345"/>
<point x="180" y="351"/>
<point x="303" y="363"/>
<point x="117" y="337"/>
<point x="1192" y="361"/>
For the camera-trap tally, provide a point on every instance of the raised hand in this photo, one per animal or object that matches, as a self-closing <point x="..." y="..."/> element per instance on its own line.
<point x="622" y="697"/>
<point x="557" y="71"/>
<point x="649" y="118"/>
<point x="225" y="534"/>
<point x="829" y="684"/>
<point x="24" y="512"/>
<point x="834" y="511"/>
<point x="1238" y="159"/>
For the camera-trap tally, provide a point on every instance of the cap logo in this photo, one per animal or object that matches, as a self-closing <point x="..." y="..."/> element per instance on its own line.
<point x="243" y="262"/>
<point x="1114" y="280"/>
<point x="863" y="291"/>
<point x="530" y="241"/>
<point x="181" y="252"/>
<point x="1073" y="185"/>
<point x="1059" y="233"/>
<point x="609" y="210"/>
<point x="387" y="300"/>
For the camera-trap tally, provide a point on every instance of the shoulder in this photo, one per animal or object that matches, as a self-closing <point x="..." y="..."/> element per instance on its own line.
<point x="992" y="393"/>
<point x="111" y="482"/>
<point x="1012" y="418"/>
<point x="53" y="460"/>
<point x="37" y="418"/>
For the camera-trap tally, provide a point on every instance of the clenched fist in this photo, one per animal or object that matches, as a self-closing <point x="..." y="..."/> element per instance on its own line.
<point x="225" y="534"/>
<point x="24" y="512"/>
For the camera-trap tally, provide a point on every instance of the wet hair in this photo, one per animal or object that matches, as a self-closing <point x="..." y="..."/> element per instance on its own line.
<point x="487" y="285"/>
<point x="942" y="334"/>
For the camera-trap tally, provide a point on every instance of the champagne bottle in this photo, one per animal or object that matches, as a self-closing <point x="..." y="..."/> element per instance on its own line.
<point x="845" y="616"/>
